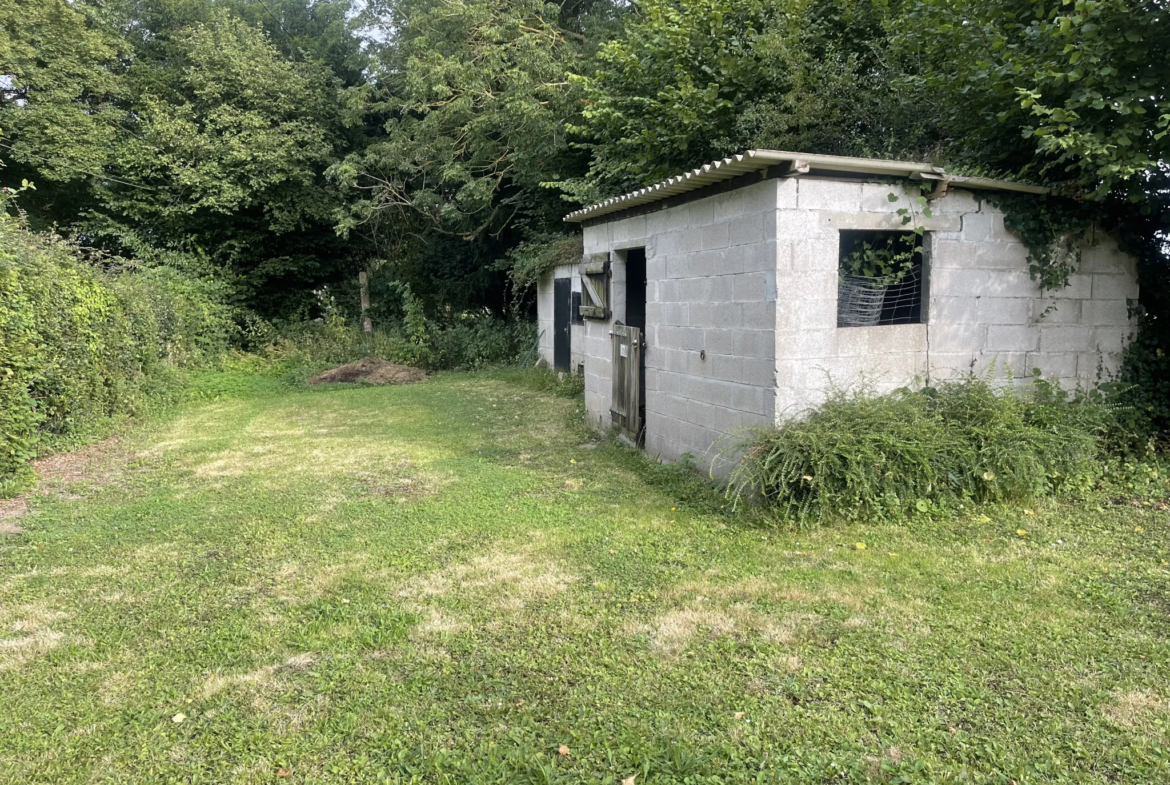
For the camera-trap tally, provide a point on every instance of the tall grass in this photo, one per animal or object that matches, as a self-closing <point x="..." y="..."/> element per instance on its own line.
<point x="888" y="456"/>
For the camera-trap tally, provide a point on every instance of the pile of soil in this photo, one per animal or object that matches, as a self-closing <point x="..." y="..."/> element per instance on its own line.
<point x="370" y="370"/>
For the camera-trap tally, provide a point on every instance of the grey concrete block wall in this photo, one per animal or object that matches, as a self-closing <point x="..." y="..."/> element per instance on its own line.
<point x="990" y="317"/>
<point x="544" y="317"/>
<point x="742" y="308"/>
<point x="710" y="320"/>
<point x="985" y="313"/>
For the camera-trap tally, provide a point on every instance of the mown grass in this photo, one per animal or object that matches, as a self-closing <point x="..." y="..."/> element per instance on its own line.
<point x="447" y="582"/>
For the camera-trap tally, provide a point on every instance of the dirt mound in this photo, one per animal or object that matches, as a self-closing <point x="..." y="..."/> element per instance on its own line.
<point x="372" y="371"/>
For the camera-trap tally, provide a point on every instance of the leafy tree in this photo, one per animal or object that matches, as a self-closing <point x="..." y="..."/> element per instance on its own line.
<point x="1074" y="93"/>
<point x="473" y="98"/>
<point x="206" y="138"/>
<point x="694" y="80"/>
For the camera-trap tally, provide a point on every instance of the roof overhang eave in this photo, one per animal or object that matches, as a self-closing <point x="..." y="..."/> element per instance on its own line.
<point x="760" y="160"/>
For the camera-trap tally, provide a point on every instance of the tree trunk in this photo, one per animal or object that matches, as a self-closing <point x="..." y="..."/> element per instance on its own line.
<point x="364" y="284"/>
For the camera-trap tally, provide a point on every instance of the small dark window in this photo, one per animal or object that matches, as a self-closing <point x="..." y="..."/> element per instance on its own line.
<point x="577" y="309"/>
<point x="881" y="278"/>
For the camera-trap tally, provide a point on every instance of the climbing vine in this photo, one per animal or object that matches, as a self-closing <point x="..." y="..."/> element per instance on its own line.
<point x="1053" y="228"/>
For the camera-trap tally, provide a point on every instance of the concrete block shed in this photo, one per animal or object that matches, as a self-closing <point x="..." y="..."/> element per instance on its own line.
<point x="715" y="301"/>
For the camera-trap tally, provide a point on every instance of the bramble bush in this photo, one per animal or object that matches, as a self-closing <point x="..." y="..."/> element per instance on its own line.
<point x="907" y="452"/>
<point x="84" y="338"/>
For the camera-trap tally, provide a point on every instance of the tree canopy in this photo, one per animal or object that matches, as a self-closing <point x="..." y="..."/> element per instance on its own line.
<point x="282" y="145"/>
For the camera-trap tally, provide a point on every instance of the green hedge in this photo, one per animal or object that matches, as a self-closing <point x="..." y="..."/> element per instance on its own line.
<point x="83" y="339"/>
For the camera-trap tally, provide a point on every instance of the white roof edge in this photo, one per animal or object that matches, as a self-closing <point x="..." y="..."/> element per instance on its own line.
<point x="757" y="160"/>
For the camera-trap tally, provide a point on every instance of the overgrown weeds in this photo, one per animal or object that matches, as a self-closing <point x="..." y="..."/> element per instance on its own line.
<point x="467" y="342"/>
<point x="908" y="452"/>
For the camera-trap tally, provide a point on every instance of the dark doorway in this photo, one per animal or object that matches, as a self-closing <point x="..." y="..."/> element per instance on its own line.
<point x="562" y="310"/>
<point x="636" y="317"/>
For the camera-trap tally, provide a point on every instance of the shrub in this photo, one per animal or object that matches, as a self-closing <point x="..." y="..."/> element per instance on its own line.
<point x="892" y="455"/>
<point x="469" y="342"/>
<point x="83" y="339"/>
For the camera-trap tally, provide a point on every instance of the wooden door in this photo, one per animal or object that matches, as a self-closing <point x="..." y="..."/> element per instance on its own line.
<point x="627" y="362"/>
<point x="562" y="332"/>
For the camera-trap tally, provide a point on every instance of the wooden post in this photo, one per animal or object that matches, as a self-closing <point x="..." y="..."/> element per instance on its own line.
<point x="364" y="285"/>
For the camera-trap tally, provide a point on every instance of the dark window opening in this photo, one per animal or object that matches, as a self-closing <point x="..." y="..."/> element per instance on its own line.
<point x="636" y="288"/>
<point x="576" y="317"/>
<point x="881" y="278"/>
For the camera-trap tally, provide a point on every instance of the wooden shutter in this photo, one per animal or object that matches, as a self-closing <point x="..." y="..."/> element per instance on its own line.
<point x="595" y="287"/>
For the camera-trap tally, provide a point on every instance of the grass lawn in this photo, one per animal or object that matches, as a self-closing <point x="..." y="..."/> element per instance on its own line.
<point x="441" y="583"/>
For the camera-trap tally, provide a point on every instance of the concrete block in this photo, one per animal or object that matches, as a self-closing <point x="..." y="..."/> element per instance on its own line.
<point x="759" y="372"/>
<point x="828" y="195"/>
<point x="947" y="338"/>
<point x="756" y="344"/>
<point x="952" y="365"/>
<point x="697" y="213"/>
<point x="1004" y="310"/>
<point x="1065" y="338"/>
<point x="669" y="290"/>
<point x="691" y="339"/>
<point x="976" y="227"/>
<point x="1051" y="311"/>
<point x="1114" y="287"/>
<point x="820" y="252"/>
<point x="728" y="316"/>
<point x="747" y="229"/>
<point x="853" y="341"/>
<point x="1080" y="287"/>
<point x="816" y="343"/>
<point x="954" y="310"/>
<point x="807" y="286"/>
<point x="726" y="366"/>
<point x="1105" y="257"/>
<point x="699" y="367"/>
<point x="952" y="253"/>
<point x="727" y="206"/>
<point x="751" y="287"/>
<point x="785" y="193"/>
<point x="1010" y="338"/>
<point x="694" y="290"/>
<point x="714" y="236"/>
<point x="759" y="198"/>
<point x="1105" y="312"/>
<point x="875" y="198"/>
<point x="721" y="341"/>
<point x="896" y="339"/>
<point x="1001" y="256"/>
<point x="796" y="224"/>
<point x="757" y="315"/>
<point x="721" y="288"/>
<point x="1011" y="283"/>
<point x="675" y="361"/>
<point x="680" y="265"/>
<point x="782" y="252"/>
<point x="1053" y="365"/>
<point x="958" y="282"/>
<point x="1109" y="339"/>
<point x="956" y="202"/>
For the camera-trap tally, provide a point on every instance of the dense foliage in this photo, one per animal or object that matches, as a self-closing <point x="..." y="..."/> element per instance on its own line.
<point x="286" y="145"/>
<point x="862" y="456"/>
<point x="83" y="339"/>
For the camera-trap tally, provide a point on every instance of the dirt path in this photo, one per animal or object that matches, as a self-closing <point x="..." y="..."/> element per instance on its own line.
<point x="57" y="472"/>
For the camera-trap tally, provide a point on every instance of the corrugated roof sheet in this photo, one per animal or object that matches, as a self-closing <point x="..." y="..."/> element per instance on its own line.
<point x="757" y="160"/>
